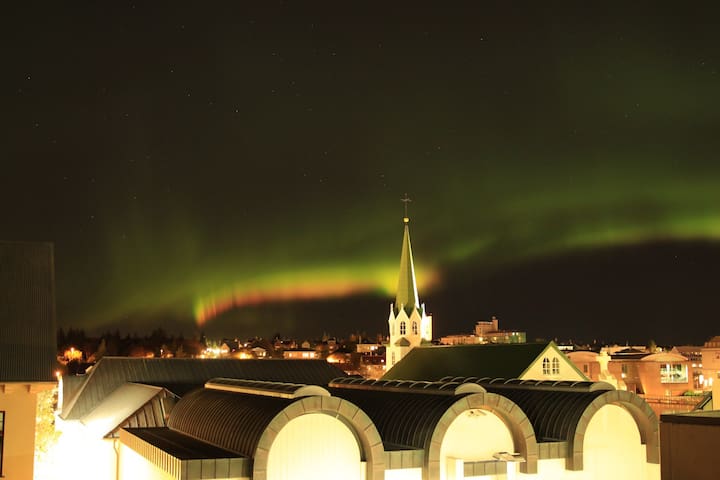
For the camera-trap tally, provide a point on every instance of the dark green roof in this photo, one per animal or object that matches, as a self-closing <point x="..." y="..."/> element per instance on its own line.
<point x="432" y="363"/>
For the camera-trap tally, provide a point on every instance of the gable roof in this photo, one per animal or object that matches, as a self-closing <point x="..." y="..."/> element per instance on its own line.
<point x="119" y="406"/>
<point x="112" y="372"/>
<point x="485" y="360"/>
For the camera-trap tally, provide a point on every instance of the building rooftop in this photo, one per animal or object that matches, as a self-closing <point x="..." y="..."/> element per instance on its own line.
<point x="479" y="360"/>
<point x="705" y="417"/>
<point x="112" y="372"/>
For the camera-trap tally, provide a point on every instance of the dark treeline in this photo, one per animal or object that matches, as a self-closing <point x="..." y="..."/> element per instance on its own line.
<point x="158" y="343"/>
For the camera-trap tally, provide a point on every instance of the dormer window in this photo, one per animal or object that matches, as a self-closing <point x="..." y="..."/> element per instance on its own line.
<point x="546" y="366"/>
<point x="556" y="366"/>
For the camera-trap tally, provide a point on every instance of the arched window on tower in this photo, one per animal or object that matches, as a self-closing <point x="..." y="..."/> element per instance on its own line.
<point x="555" y="366"/>
<point x="403" y="328"/>
<point x="546" y="366"/>
<point x="414" y="328"/>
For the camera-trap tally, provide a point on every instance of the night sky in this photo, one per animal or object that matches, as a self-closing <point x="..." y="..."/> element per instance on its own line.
<point x="237" y="167"/>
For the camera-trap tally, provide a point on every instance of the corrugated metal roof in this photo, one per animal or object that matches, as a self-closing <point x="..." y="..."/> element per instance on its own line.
<point x="409" y="386"/>
<point x="111" y="372"/>
<point x="402" y="418"/>
<point x="515" y="383"/>
<point x="27" y="312"/>
<point x="117" y="407"/>
<point x="553" y="413"/>
<point x="231" y="421"/>
<point x="269" y="389"/>
<point x="179" y="445"/>
<point x="490" y="360"/>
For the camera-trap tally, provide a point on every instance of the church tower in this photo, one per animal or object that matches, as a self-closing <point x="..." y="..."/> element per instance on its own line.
<point x="409" y="324"/>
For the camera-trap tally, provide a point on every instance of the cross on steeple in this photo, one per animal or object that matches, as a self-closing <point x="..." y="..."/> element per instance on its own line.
<point x="406" y="200"/>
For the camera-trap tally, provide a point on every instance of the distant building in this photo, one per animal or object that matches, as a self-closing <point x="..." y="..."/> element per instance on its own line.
<point x="595" y="366"/>
<point x="711" y="363"/>
<point x="486" y="332"/>
<point x="27" y="349"/>
<point x="662" y="374"/>
<point x="301" y="354"/>
<point x="409" y="323"/>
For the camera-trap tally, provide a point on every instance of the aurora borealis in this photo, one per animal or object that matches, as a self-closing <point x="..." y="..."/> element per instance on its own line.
<point x="185" y="159"/>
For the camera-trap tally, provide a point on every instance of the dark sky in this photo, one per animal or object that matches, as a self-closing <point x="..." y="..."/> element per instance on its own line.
<point x="237" y="167"/>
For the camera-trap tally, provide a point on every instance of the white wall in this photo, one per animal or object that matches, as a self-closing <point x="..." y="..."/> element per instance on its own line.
<point x="612" y="451"/>
<point x="315" y="446"/>
<point x="475" y="435"/>
<point x="404" y="474"/>
<point x="135" y="467"/>
<point x="612" y="445"/>
<point x="80" y="455"/>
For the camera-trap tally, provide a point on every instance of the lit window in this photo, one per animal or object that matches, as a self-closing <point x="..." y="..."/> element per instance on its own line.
<point x="414" y="328"/>
<point x="546" y="366"/>
<point x="403" y="328"/>
<point x="673" y="373"/>
<point x="555" y="366"/>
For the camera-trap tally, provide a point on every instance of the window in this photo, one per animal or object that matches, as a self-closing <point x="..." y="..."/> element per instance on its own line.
<point x="556" y="366"/>
<point x="403" y="328"/>
<point x="673" y="373"/>
<point x="546" y="366"/>
<point x="414" y="328"/>
<point x="585" y="368"/>
<point x="393" y="359"/>
<point x="2" y="436"/>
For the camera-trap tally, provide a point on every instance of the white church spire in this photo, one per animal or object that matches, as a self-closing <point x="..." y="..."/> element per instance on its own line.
<point x="408" y="323"/>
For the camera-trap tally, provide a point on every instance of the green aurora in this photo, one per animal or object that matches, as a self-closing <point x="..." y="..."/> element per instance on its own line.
<point x="184" y="160"/>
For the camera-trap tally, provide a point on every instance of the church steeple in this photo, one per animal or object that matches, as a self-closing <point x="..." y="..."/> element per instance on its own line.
<point x="407" y="295"/>
<point x="409" y="324"/>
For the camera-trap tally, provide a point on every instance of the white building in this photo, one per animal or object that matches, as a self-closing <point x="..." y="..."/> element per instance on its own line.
<point x="368" y="430"/>
<point x="409" y="324"/>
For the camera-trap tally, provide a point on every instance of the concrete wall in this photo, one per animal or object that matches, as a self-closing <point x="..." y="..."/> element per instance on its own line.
<point x="20" y="408"/>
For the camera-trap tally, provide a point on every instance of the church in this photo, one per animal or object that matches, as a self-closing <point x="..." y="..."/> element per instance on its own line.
<point x="409" y="323"/>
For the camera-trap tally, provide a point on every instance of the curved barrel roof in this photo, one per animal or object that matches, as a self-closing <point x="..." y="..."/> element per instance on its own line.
<point x="229" y="420"/>
<point x="402" y="418"/>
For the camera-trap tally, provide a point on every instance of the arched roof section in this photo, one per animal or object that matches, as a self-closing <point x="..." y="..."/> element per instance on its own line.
<point x="553" y="414"/>
<point x="402" y="418"/>
<point x="420" y="420"/>
<point x="514" y="418"/>
<point x="359" y="423"/>
<point x="644" y="417"/>
<point x="229" y="420"/>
